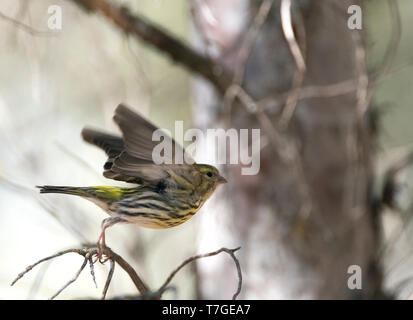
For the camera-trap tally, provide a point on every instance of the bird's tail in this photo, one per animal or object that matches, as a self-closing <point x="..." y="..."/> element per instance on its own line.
<point x="104" y="194"/>
<point x="77" y="191"/>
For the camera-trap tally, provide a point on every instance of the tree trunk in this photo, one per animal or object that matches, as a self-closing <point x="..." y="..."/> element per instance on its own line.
<point x="306" y="217"/>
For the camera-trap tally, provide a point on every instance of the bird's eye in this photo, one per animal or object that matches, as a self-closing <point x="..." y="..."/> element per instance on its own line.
<point x="209" y="174"/>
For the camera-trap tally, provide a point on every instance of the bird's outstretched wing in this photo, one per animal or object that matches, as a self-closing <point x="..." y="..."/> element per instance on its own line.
<point x="130" y="157"/>
<point x="111" y="144"/>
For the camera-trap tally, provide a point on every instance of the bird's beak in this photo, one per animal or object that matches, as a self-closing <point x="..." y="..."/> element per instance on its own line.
<point x="222" y="180"/>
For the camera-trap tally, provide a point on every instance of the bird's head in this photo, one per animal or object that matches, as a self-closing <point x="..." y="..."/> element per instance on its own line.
<point x="210" y="179"/>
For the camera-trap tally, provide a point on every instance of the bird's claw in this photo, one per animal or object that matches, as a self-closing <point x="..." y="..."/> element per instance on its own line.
<point x="100" y="254"/>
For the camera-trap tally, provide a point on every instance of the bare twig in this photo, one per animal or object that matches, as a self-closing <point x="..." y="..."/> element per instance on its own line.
<point x="192" y="259"/>
<point x="287" y="28"/>
<point x="140" y="285"/>
<point x="89" y="251"/>
<point x="154" y="35"/>
<point x="29" y="268"/>
<point x="31" y="31"/>
<point x="38" y="280"/>
<point x="109" y="279"/>
<point x="297" y="53"/>
<point x="249" y="40"/>
<point x="235" y="90"/>
<point x="273" y="103"/>
<point x="92" y="269"/>
<point x="251" y="106"/>
<point x="71" y="280"/>
<point x="363" y="84"/>
<point x="286" y="150"/>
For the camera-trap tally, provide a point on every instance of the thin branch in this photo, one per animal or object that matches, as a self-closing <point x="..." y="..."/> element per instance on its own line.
<point x="31" y="31"/>
<point x="92" y="269"/>
<point x="235" y="90"/>
<point x="38" y="280"/>
<point x="200" y="256"/>
<point x="284" y="148"/>
<point x="109" y="279"/>
<point x="297" y="53"/>
<point x="140" y="285"/>
<point x="287" y="28"/>
<point x="89" y="251"/>
<point x="133" y="24"/>
<point x="273" y="102"/>
<point x="29" y="268"/>
<point x="250" y="39"/>
<point x="360" y="84"/>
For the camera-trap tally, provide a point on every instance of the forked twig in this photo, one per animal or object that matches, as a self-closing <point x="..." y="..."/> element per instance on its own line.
<point x="192" y="259"/>
<point x="89" y="251"/>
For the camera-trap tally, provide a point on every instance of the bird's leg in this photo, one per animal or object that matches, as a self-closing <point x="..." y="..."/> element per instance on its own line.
<point x="101" y="243"/>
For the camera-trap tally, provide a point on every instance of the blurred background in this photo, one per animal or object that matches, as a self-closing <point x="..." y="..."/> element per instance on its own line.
<point x="52" y="84"/>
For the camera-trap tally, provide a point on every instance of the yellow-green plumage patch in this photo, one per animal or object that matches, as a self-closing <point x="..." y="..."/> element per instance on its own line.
<point x="108" y="193"/>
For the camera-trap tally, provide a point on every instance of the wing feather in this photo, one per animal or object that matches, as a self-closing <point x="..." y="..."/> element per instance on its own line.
<point x="130" y="157"/>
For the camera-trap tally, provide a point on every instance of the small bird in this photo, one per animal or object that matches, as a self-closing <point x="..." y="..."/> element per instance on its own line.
<point x="165" y="195"/>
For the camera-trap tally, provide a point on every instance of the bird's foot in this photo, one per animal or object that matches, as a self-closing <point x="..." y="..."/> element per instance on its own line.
<point x="101" y="255"/>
